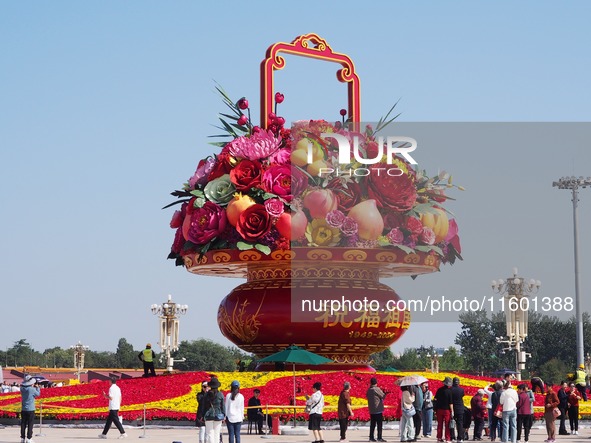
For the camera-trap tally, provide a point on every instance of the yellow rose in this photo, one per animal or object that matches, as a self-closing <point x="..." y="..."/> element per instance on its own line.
<point x="320" y="233"/>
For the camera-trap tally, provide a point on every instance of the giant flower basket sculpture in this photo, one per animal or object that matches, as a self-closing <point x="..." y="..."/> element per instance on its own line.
<point x="312" y="216"/>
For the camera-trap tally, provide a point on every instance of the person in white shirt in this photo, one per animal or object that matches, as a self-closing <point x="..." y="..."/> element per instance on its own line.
<point x="315" y="403"/>
<point x="509" y="399"/>
<point x="234" y="412"/>
<point x="114" y="397"/>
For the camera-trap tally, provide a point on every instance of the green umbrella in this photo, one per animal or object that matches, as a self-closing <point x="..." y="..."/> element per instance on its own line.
<point x="294" y="354"/>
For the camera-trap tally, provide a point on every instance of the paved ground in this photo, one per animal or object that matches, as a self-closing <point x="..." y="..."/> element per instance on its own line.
<point x="55" y="434"/>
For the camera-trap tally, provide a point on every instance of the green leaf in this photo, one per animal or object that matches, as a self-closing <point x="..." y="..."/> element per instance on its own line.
<point x="264" y="249"/>
<point x="405" y="249"/>
<point x="244" y="246"/>
<point x="197" y="193"/>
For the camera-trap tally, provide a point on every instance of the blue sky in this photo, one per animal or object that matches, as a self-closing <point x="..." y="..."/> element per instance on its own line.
<point x="105" y="108"/>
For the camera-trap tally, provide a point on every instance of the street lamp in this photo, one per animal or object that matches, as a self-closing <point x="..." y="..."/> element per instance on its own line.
<point x="79" y="351"/>
<point x="573" y="183"/>
<point x="516" y="307"/>
<point x="168" y="313"/>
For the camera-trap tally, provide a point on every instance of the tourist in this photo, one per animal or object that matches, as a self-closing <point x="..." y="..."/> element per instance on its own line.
<point x="29" y="390"/>
<point x="496" y="425"/>
<point x="234" y="412"/>
<point x="478" y="410"/>
<point x="375" y="403"/>
<point x="114" y="397"/>
<point x="563" y="406"/>
<point x="524" y="412"/>
<point x="214" y="411"/>
<point x="418" y="405"/>
<point x="550" y="403"/>
<point x="4" y="388"/>
<point x="344" y="410"/>
<point x="147" y="356"/>
<point x="315" y="406"/>
<point x="427" y="410"/>
<point x="443" y="407"/>
<point x="574" y="396"/>
<point x="457" y="398"/>
<point x="408" y="411"/>
<point x="254" y="413"/>
<point x="509" y="399"/>
<point x="200" y="420"/>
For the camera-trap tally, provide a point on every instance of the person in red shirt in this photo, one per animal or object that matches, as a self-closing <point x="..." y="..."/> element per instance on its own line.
<point x="573" y="409"/>
<point x="478" y="411"/>
<point x="550" y="402"/>
<point x="524" y="412"/>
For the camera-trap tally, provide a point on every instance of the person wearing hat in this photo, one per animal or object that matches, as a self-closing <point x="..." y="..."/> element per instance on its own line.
<point x="581" y="381"/>
<point x="478" y="408"/>
<point x="29" y="390"/>
<point x="214" y="411"/>
<point x="114" y="397"/>
<point x="344" y="410"/>
<point x="443" y="408"/>
<point x="315" y="405"/>
<point x="375" y="403"/>
<point x="147" y="356"/>
<point x="199" y="419"/>
<point x="234" y="412"/>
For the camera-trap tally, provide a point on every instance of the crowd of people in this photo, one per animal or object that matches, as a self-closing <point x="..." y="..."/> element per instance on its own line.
<point x="508" y="406"/>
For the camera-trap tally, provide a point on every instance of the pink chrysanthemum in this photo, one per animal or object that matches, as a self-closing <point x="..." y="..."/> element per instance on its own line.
<point x="259" y="145"/>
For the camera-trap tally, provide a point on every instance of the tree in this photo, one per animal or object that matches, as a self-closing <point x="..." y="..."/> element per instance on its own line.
<point x="451" y="360"/>
<point x="382" y="360"/>
<point x="409" y="360"/>
<point x="204" y="355"/>
<point x="21" y="354"/>
<point x="553" y="371"/>
<point x="57" y="357"/>
<point x="126" y="356"/>
<point x="477" y="341"/>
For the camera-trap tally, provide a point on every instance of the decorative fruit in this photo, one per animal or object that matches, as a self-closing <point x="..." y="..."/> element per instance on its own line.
<point x="320" y="202"/>
<point x="368" y="218"/>
<point x="237" y="206"/>
<point x="438" y="222"/>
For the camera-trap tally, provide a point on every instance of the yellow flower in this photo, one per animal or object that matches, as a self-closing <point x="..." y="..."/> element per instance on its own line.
<point x="320" y="233"/>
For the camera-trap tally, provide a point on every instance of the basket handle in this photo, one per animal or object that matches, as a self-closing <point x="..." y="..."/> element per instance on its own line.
<point x="312" y="46"/>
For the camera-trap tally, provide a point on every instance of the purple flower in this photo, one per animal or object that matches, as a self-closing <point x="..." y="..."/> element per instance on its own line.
<point x="335" y="218"/>
<point x="395" y="236"/>
<point x="202" y="172"/>
<point x="260" y="144"/>
<point x="349" y="227"/>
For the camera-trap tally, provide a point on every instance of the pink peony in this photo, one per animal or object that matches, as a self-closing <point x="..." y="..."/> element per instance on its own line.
<point x="427" y="236"/>
<point x="335" y="218"/>
<point x="274" y="207"/>
<point x="284" y="182"/>
<point x="206" y="223"/>
<point x="349" y="227"/>
<point x="280" y="157"/>
<point x="415" y="226"/>
<point x="452" y="236"/>
<point x="395" y="236"/>
<point x="261" y="144"/>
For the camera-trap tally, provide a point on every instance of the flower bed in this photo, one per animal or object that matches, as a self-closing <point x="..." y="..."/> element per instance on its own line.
<point x="173" y="397"/>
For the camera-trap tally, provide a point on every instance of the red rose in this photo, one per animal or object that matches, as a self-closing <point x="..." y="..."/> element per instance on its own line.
<point x="254" y="222"/>
<point x="222" y="165"/>
<point x="414" y="226"/>
<point x="206" y="223"/>
<point x="396" y="192"/>
<point x="347" y="197"/>
<point x="246" y="175"/>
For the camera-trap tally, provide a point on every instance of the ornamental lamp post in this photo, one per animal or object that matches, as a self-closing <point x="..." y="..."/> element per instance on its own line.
<point x="516" y="307"/>
<point x="169" y="313"/>
<point x="573" y="184"/>
<point x="79" y="351"/>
